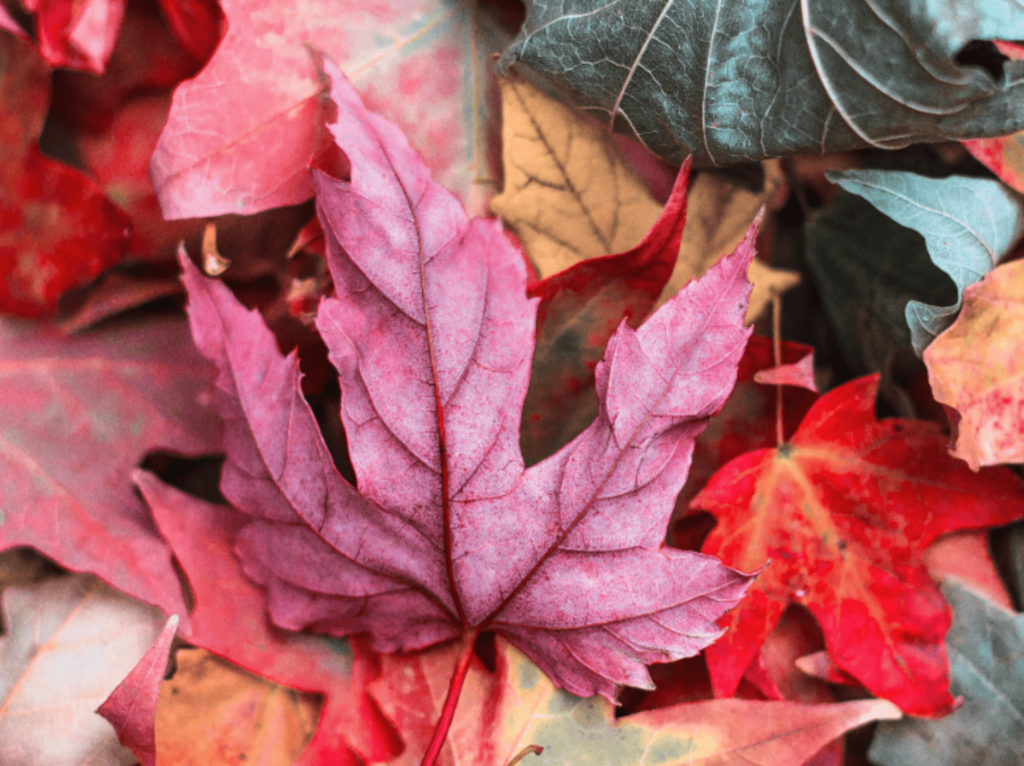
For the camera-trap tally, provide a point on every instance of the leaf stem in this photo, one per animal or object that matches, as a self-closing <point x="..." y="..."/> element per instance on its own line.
<point x="777" y="354"/>
<point x="444" y="722"/>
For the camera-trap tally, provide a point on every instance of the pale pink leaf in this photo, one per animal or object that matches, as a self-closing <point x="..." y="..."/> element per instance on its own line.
<point x="798" y="374"/>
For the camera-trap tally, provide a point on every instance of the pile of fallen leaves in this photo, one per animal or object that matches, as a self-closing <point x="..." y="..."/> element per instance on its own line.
<point x="461" y="382"/>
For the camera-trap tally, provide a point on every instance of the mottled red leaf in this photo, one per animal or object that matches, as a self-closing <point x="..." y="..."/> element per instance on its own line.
<point x="79" y="414"/>
<point x="241" y="133"/>
<point x="57" y="229"/>
<point x="230" y="619"/>
<point x="77" y="33"/>
<point x="147" y="58"/>
<point x="432" y="334"/>
<point x="131" y="707"/>
<point x="843" y="511"/>
<point x="579" y="310"/>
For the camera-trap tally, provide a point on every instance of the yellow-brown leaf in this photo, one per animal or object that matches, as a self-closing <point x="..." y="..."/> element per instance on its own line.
<point x="570" y="195"/>
<point x="212" y="713"/>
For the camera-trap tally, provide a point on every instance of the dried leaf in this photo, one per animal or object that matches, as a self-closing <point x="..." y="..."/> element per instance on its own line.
<point x="212" y="714"/>
<point x="974" y="368"/>
<point x="570" y="195"/>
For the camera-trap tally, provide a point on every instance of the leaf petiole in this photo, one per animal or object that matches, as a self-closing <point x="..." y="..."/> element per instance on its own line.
<point x="444" y="722"/>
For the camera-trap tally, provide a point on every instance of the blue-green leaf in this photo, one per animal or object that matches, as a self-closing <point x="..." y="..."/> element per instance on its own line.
<point x="968" y="224"/>
<point x="986" y="652"/>
<point x="734" y="80"/>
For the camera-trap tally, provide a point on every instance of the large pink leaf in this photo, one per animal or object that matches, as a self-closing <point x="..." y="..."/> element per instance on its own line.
<point x="432" y="335"/>
<point x="78" y="415"/>
<point x="240" y="135"/>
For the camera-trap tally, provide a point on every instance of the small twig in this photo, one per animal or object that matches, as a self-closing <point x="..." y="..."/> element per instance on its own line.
<point x="777" y="353"/>
<point x="537" y="749"/>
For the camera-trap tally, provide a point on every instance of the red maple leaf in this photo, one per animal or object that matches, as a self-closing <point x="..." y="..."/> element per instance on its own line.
<point x="448" y="535"/>
<point x="843" y="511"/>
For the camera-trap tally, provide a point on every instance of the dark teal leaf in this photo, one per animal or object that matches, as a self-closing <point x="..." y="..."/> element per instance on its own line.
<point x="986" y="652"/>
<point x="744" y="79"/>
<point x="968" y="224"/>
<point x="867" y="268"/>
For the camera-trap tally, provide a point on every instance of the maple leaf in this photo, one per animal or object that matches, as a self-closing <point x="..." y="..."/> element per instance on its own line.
<point x="746" y="422"/>
<point x="240" y="134"/>
<point x="69" y="643"/>
<point x="974" y="370"/>
<point x="843" y="510"/>
<point x="732" y="83"/>
<point x="447" y="534"/>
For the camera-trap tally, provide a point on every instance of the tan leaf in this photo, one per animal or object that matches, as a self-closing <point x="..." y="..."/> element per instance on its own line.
<point x="212" y="713"/>
<point x="570" y="195"/>
<point x="976" y="368"/>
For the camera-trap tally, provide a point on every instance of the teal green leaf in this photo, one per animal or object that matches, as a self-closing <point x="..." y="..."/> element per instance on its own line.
<point x="986" y="653"/>
<point x="968" y="224"/>
<point x="736" y="80"/>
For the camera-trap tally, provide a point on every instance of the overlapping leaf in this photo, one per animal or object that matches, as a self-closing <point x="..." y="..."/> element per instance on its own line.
<point x="240" y="135"/>
<point x="517" y="706"/>
<point x="578" y="312"/>
<point x="230" y="619"/>
<point x="729" y="82"/>
<point x="570" y="194"/>
<point x="214" y="714"/>
<point x="79" y="414"/>
<point x="447" y="532"/>
<point x="986" y="648"/>
<point x="57" y="229"/>
<point x="69" y="643"/>
<point x="968" y="224"/>
<point x="974" y="368"/>
<point x="843" y="511"/>
<point x="131" y="706"/>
